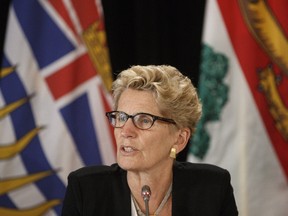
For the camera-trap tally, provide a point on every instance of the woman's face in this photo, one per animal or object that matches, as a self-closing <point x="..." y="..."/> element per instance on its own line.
<point x="143" y="150"/>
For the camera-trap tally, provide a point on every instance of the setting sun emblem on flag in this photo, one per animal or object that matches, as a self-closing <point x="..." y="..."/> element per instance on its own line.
<point x="55" y="86"/>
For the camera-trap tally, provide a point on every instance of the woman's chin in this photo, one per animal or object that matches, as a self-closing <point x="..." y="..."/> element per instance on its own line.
<point x="127" y="164"/>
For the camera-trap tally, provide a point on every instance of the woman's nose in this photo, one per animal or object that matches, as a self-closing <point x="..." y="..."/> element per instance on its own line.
<point x="128" y="128"/>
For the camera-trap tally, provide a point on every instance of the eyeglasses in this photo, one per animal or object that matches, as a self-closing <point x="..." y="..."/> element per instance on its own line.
<point x="142" y="121"/>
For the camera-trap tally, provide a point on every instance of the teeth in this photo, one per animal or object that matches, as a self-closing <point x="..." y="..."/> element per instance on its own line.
<point x="128" y="149"/>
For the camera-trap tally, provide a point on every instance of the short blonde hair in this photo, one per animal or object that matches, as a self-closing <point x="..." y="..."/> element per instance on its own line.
<point x="174" y="93"/>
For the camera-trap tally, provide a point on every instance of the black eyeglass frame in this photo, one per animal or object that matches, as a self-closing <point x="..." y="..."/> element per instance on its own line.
<point x="154" y="118"/>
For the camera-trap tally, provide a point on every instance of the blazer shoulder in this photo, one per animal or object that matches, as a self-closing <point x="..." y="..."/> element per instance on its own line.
<point x="188" y="166"/>
<point x="99" y="170"/>
<point x="200" y="170"/>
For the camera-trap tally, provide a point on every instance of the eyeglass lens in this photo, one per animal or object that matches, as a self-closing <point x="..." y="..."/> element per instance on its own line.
<point x="140" y="120"/>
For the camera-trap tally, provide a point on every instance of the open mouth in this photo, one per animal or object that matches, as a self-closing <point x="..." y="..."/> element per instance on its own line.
<point x="128" y="149"/>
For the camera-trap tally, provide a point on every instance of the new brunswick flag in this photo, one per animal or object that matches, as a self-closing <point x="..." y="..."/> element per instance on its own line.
<point x="54" y="90"/>
<point x="244" y="90"/>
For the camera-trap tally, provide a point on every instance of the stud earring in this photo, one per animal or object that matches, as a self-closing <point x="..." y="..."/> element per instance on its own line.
<point x="173" y="153"/>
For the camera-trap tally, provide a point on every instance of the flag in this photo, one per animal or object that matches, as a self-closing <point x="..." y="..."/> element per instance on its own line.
<point x="243" y="88"/>
<point x="55" y="85"/>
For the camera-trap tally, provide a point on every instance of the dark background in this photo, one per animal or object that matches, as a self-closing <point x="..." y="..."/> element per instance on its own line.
<point x="148" y="32"/>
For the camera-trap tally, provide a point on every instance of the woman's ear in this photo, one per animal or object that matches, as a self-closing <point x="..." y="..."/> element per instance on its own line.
<point x="183" y="138"/>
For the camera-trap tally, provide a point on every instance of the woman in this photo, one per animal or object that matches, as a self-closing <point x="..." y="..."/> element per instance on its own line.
<point x="155" y="113"/>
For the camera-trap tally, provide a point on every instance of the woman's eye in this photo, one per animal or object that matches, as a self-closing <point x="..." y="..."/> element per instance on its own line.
<point x="144" y="120"/>
<point x="122" y="118"/>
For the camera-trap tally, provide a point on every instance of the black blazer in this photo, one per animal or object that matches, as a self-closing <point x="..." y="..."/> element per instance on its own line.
<point x="197" y="190"/>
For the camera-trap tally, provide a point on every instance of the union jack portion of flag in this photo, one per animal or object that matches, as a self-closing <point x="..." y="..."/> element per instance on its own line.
<point x="55" y="79"/>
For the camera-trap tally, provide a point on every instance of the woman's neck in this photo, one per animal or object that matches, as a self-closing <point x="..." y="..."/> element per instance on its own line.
<point x="159" y="183"/>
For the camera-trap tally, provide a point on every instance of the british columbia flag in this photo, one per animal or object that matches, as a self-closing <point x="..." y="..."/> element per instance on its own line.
<point x="55" y="80"/>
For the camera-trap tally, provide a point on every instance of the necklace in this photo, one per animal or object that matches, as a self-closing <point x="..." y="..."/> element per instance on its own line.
<point x="160" y="207"/>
